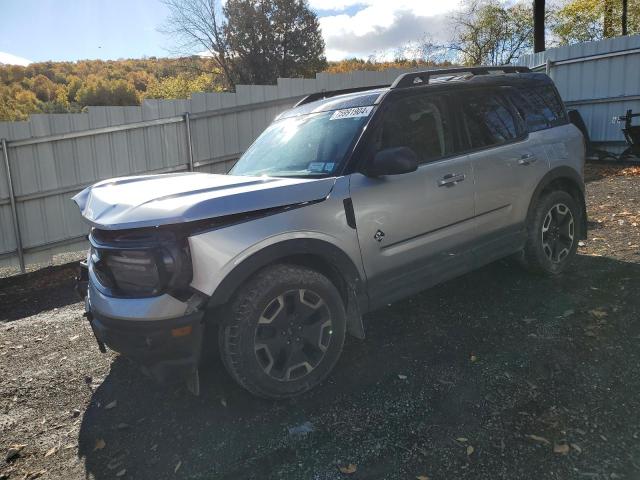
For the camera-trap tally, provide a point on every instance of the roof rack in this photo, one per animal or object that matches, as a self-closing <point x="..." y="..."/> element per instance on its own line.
<point x="332" y="93"/>
<point x="414" y="79"/>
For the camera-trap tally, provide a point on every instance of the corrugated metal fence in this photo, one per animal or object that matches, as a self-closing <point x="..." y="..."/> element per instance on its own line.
<point x="599" y="79"/>
<point x="49" y="158"/>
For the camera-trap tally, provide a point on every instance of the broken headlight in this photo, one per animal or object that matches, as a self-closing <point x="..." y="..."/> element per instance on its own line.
<point x="140" y="263"/>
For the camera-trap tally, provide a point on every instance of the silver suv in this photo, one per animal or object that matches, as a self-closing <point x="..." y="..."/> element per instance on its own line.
<point x="345" y="203"/>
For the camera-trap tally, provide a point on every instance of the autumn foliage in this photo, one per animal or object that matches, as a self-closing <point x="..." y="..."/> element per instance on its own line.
<point x="58" y="87"/>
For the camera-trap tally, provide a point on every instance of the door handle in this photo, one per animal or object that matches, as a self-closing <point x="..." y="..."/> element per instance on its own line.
<point x="451" y="179"/>
<point x="527" y="159"/>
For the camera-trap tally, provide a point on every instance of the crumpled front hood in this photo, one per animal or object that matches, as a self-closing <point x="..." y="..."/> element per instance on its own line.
<point x="152" y="200"/>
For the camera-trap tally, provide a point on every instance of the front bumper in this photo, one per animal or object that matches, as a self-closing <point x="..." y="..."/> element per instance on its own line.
<point x="168" y="348"/>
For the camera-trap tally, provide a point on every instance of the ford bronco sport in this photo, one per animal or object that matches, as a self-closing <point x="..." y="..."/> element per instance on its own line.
<point x="345" y="203"/>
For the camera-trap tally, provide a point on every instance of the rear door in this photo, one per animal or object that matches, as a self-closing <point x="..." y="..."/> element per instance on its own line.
<point x="504" y="160"/>
<point x="415" y="229"/>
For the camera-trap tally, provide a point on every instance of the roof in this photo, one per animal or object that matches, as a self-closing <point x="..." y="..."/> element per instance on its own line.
<point x="337" y="102"/>
<point x="437" y="80"/>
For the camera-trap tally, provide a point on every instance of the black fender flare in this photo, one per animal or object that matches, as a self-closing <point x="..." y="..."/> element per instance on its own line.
<point x="296" y="251"/>
<point x="566" y="174"/>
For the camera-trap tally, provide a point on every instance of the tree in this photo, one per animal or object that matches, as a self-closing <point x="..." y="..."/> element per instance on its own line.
<point x="44" y="88"/>
<point x="250" y="41"/>
<point x="589" y="20"/>
<point x="273" y="38"/>
<point x="492" y="33"/>
<point x="74" y="84"/>
<point x="100" y="91"/>
<point x="197" y="26"/>
<point x="181" y="86"/>
<point x="17" y="103"/>
<point x="53" y="86"/>
<point x="608" y="25"/>
<point x="625" y="11"/>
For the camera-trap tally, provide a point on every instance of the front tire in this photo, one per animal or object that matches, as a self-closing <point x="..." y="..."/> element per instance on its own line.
<point x="284" y="331"/>
<point x="552" y="233"/>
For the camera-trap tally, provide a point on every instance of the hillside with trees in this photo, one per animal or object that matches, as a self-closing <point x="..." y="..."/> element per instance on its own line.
<point x="58" y="87"/>
<point x="288" y="43"/>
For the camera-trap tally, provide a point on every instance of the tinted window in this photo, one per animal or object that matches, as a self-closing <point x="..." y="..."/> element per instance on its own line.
<point x="540" y="107"/>
<point x="418" y="122"/>
<point x="488" y="118"/>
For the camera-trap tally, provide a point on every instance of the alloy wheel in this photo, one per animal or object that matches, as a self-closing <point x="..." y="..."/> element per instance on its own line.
<point x="293" y="334"/>
<point x="558" y="229"/>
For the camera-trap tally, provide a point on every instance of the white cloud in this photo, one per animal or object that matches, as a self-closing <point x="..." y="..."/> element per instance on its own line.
<point x="380" y="25"/>
<point x="9" y="59"/>
<point x="335" y="55"/>
<point x="335" y="4"/>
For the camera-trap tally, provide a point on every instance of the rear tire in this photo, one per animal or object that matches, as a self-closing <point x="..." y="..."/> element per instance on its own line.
<point x="553" y="231"/>
<point x="284" y="331"/>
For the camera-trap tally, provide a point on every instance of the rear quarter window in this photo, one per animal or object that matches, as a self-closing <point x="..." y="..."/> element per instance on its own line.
<point x="539" y="107"/>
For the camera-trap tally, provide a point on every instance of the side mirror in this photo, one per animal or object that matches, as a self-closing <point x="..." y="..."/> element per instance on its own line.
<point x="393" y="161"/>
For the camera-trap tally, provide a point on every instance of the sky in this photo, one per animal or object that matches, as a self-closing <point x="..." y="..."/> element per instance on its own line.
<point x="68" y="30"/>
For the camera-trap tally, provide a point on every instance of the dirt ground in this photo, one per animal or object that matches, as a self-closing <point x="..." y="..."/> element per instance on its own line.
<point x="494" y="375"/>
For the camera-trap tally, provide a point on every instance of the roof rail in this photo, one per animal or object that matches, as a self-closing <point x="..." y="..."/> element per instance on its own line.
<point x="414" y="79"/>
<point x="332" y="93"/>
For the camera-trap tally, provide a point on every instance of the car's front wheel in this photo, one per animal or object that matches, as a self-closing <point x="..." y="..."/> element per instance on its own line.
<point x="552" y="233"/>
<point x="284" y="331"/>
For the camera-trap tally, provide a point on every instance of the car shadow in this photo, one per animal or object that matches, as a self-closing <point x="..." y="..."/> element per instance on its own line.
<point x="431" y="367"/>
<point x="35" y="292"/>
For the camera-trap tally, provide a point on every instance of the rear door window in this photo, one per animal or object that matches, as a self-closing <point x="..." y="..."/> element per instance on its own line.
<point x="489" y="119"/>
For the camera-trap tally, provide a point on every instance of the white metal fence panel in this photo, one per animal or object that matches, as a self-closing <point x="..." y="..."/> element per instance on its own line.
<point x="599" y="79"/>
<point x="51" y="157"/>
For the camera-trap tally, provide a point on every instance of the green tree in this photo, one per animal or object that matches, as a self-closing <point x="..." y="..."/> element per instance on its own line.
<point x="273" y="38"/>
<point x="249" y="41"/>
<point x="589" y="20"/>
<point x="489" y="32"/>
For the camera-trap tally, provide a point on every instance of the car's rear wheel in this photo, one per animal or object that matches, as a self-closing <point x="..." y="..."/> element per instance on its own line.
<point x="284" y="331"/>
<point x="552" y="233"/>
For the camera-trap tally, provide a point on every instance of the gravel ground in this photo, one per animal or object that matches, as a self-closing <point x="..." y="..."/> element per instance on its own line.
<point x="59" y="259"/>
<point x="496" y="374"/>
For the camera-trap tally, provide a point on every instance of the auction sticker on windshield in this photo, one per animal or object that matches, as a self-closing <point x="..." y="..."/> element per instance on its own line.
<point x="351" y="113"/>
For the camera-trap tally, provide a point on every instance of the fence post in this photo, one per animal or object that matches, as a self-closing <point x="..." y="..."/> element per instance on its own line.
<point x="187" y="122"/>
<point x="14" y="211"/>
<point x="548" y="67"/>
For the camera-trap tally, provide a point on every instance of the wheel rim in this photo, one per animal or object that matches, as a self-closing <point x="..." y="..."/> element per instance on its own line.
<point x="293" y="334"/>
<point x="558" y="233"/>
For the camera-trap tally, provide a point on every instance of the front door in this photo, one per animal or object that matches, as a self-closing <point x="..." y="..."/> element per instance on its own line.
<point x="415" y="229"/>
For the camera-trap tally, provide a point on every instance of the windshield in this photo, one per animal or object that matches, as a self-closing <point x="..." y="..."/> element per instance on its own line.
<point x="304" y="146"/>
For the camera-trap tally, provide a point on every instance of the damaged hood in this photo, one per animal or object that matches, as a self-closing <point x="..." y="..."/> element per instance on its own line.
<point x="153" y="200"/>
